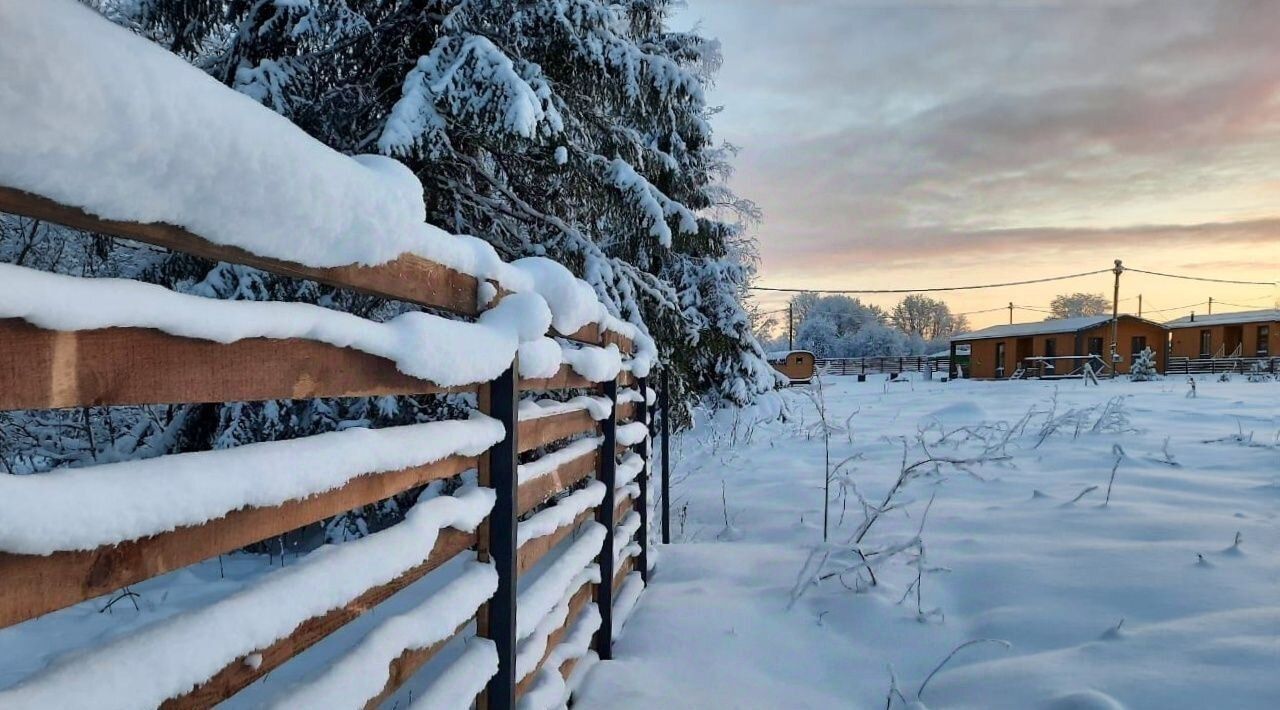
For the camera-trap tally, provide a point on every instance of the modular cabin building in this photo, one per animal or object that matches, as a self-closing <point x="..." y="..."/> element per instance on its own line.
<point x="797" y="365"/>
<point x="1054" y="348"/>
<point x="1242" y="334"/>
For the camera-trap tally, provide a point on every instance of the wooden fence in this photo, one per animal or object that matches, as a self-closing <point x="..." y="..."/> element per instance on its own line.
<point x="44" y="369"/>
<point x="877" y="365"/>
<point x="1216" y="365"/>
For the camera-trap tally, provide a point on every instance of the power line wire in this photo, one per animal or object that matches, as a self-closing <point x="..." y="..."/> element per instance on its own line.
<point x="930" y="290"/>
<point x="1200" y="278"/>
<point x="1237" y="305"/>
<point x="972" y="287"/>
<point x="1175" y="308"/>
<point x="989" y="310"/>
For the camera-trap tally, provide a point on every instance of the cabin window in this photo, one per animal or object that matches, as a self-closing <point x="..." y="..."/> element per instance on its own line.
<point x="1137" y="344"/>
<point x="1264" y="341"/>
<point x="1206" y="343"/>
<point x="1095" y="346"/>
<point x="799" y="359"/>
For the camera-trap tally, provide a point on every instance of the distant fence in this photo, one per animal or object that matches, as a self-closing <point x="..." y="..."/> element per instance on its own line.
<point x="1216" y="365"/>
<point x="878" y="365"/>
<point x="45" y="369"/>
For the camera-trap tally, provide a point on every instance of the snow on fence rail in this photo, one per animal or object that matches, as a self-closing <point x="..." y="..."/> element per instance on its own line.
<point x="103" y="342"/>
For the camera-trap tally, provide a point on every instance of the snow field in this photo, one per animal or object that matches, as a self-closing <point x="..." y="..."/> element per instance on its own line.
<point x="1145" y="602"/>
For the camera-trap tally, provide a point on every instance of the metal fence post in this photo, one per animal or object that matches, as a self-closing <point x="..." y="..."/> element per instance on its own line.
<point x="643" y="502"/>
<point x="664" y="403"/>
<point x="497" y="621"/>
<point x="608" y="475"/>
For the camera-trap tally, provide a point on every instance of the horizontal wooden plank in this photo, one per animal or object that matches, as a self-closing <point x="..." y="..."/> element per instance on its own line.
<point x="409" y="278"/>
<point x="566" y="670"/>
<point x="624" y="568"/>
<point x="38" y="584"/>
<point x="238" y="674"/>
<point x="625" y="412"/>
<point x="406" y="665"/>
<point x="46" y="369"/>
<point x="626" y="506"/>
<point x="565" y="379"/>
<point x="539" y="490"/>
<point x="536" y="433"/>
<point x="576" y="604"/>
<point x="534" y="550"/>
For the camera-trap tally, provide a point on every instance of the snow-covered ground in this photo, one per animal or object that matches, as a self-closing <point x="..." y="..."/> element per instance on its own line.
<point x="1145" y="602"/>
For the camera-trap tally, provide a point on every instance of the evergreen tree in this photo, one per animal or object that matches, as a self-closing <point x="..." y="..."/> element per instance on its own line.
<point x="577" y="129"/>
<point x="1144" y="366"/>
<point x="573" y="128"/>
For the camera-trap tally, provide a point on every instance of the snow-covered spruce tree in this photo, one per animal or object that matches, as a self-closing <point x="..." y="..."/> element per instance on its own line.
<point x="571" y="129"/>
<point x="577" y="129"/>
<point x="1144" y="366"/>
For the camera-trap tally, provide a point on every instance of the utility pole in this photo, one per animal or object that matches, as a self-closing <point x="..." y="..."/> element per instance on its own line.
<point x="1139" y="305"/>
<point x="1115" y="318"/>
<point x="791" y="326"/>
<point x="1211" y="305"/>
<point x="1010" y="312"/>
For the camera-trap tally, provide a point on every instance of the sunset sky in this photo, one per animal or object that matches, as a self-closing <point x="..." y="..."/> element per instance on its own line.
<point x="906" y="144"/>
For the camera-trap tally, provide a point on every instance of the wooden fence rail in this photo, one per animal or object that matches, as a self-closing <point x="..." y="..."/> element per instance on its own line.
<point x="877" y="365"/>
<point x="1221" y="365"/>
<point x="47" y="369"/>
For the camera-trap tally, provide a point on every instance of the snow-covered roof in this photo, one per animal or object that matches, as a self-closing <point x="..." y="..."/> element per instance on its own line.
<point x="1060" y="325"/>
<point x="939" y="354"/>
<point x="1266" y="314"/>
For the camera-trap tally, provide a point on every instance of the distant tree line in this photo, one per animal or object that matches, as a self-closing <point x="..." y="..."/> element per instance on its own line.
<point x="842" y="326"/>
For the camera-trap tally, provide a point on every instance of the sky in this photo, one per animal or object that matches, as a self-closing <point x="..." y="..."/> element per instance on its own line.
<point x="908" y="144"/>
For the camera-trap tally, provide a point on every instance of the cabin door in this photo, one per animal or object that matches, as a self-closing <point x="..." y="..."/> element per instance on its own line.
<point x="1024" y="351"/>
<point x="1232" y="339"/>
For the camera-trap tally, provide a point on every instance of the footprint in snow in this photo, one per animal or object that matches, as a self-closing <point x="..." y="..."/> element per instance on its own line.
<point x="1084" y="700"/>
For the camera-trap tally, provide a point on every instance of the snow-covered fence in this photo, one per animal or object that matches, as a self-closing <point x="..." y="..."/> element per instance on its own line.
<point x="70" y="536"/>
<point x="1216" y="365"/>
<point x="561" y="489"/>
<point x="877" y="365"/>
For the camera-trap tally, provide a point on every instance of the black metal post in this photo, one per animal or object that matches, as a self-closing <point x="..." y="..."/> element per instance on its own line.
<point x="643" y="502"/>
<point x="664" y="403"/>
<point x="498" y="471"/>
<point x="608" y="475"/>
